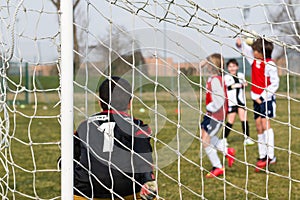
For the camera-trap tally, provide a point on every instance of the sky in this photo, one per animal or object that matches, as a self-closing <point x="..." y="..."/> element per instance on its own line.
<point x="199" y="45"/>
<point x="37" y="32"/>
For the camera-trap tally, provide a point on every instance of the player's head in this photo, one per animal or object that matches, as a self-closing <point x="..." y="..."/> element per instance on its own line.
<point x="117" y="91"/>
<point x="232" y="66"/>
<point x="262" y="48"/>
<point x="215" y="63"/>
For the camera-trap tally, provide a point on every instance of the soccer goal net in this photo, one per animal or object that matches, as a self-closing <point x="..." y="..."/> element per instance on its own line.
<point x="158" y="46"/>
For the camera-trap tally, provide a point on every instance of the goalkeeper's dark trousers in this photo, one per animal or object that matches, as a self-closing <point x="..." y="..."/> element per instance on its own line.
<point x="129" y="197"/>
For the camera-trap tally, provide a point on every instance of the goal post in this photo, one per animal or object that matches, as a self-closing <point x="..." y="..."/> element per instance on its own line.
<point x="158" y="46"/>
<point x="67" y="116"/>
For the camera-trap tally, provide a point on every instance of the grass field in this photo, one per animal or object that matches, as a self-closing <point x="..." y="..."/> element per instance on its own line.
<point x="30" y="160"/>
<point x="241" y="181"/>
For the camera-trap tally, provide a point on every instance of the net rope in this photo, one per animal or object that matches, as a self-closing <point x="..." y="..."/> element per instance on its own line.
<point x="152" y="40"/>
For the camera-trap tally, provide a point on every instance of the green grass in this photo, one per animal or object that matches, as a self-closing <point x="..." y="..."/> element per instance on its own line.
<point x="32" y="154"/>
<point x="34" y="149"/>
<point x="281" y="179"/>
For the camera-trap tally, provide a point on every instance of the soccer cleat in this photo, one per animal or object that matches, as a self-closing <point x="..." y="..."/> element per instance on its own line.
<point x="230" y="156"/>
<point x="262" y="163"/>
<point x="248" y="142"/>
<point x="215" y="172"/>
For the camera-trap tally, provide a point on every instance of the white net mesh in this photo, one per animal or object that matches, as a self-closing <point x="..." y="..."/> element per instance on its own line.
<point x="157" y="46"/>
<point x="30" y="133"/>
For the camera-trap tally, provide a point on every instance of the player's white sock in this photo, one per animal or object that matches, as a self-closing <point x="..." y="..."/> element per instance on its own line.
<point x="262" y="148"/>
<point x="214" y="140"/>
<point x="269" y="137"/>
<point x="220" y="144"/>
<point x="213" y="157"/>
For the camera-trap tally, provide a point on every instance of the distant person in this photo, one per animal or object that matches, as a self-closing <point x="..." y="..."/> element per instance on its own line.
<point x="265" y="82"/>
<point x="235" y="83"/>
<point x="112" y="150"/>
<point x="216" y="110"/>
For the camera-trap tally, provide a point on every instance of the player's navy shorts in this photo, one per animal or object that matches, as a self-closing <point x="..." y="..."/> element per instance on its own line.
<point x="234" y="109"/>
<point x="267" y="108"/>
<point x="210" y="125"/>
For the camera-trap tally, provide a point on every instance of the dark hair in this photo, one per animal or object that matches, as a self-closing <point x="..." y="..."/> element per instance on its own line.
<point x="116" y="89"/>
<point x="233" y="60"/>
<point x="260" y="44"/>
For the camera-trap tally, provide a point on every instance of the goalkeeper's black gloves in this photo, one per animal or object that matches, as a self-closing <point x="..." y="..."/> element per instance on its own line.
<point x="149" y="190"/>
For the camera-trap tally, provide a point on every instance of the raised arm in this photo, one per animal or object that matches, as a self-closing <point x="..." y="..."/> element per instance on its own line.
<point x="245" y="49"/>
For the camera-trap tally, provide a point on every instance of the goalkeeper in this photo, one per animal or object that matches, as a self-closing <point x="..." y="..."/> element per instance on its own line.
<point x="112" y="151"/>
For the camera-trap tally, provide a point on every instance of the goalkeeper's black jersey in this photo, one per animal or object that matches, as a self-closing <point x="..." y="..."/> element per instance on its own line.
<point x="104" y="158"/>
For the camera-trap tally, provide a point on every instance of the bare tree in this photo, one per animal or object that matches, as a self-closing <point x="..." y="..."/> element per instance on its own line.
<point x="118" y="39"/>
<point x="57" y="4"/>
<point x="285" y="20"/>
<point x="125" y="50"/>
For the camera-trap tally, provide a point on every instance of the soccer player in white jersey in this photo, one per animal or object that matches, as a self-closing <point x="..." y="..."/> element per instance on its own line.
<point x="235" y="83"/>
<point x="216" y="111"/>
<point x="265" y="82"/>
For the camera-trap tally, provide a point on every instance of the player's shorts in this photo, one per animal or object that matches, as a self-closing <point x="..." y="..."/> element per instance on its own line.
<point x="210" y="125"/>
<point x="234" y="109"/>
<point x="265" y="109"/>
